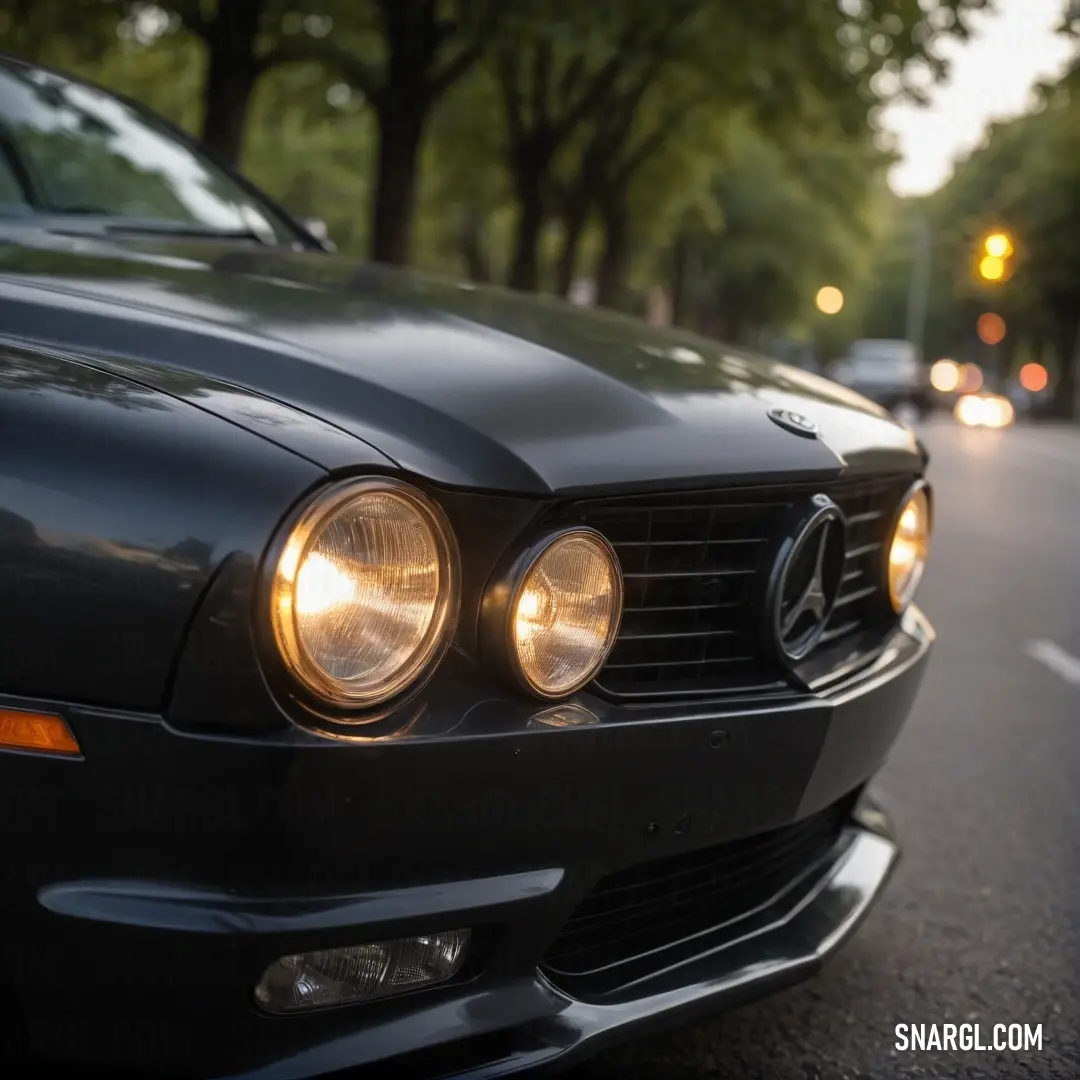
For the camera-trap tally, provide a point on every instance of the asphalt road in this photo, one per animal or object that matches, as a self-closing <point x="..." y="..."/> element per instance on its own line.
<point x="982" y="921"/>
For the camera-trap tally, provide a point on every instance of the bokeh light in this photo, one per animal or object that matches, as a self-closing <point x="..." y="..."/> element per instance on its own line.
<point x="829" y="300"/>
<point x="945" y="376"/>
<point x="1034" y="377"/>
<point x="998" y="246"/>
<point x="992" y="268"/>
<point x="971" y="378"/>
<point x="991" y="328"/>
<point x="984" y="410"/>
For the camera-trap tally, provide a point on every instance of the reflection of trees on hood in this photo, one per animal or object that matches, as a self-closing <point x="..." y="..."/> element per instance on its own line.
<point x="17" y="530"/>
<point x="190" y="550"/>
<point x="43" y="374"/>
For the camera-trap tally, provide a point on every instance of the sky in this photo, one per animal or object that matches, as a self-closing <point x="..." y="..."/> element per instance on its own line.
<point x="991" y="77"/>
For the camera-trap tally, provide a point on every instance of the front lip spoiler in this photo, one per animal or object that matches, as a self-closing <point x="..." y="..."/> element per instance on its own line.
<point x="776" y="956"/>
<point x="791" y="947"/>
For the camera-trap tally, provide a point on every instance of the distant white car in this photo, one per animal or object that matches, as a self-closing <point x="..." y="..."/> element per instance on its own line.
<point x="889" y="372"/>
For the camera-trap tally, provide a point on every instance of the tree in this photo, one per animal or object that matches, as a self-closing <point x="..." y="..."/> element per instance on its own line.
<point x="233" y="66"/>
<point x="556" y="75"/>
<point x="56" y="32"/>
<point x="602" y="67"/>
<point x="242" y="41"/>
<point x="622" y="139"/>
<point x="796" y="84"/>
<point x="330" y="138"/>
<point x="778" y="236"/>
<point x="403" y="58"/>
<point x="465" y="205"/>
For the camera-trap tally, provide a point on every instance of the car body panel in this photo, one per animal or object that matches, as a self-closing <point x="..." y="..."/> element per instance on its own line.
<point x="117" y="506"/>
<point x="467" y="386"/>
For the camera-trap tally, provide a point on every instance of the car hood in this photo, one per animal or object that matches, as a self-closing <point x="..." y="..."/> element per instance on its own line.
<point x="469" y="386"/>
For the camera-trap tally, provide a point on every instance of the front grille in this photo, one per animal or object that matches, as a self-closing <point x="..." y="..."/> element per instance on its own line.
<point x="638" y="916"/>
<point x="692" y="564"/>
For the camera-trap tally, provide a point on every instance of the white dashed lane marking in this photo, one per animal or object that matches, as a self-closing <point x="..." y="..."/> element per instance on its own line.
<point x="1056" y="659"/>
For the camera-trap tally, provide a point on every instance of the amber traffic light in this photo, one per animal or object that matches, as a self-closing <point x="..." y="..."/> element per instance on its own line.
<point x="997" y="247"/>
<point x="991" y="268"/>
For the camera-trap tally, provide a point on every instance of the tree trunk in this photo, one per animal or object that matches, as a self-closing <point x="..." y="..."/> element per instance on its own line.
<point x="525" y="265"/>
<point x="472" y="245"/>
<point x="401" y="128"/>
<point x="727" y="318"/>
<point x="612" y="265"/>
<point x="576" y="215"/>
<point x="680" y="260"/>
<point x="232" y="71"/>
<point x="226" y="99"/>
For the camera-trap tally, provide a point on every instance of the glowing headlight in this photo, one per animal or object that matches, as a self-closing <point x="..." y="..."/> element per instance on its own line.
<point x="984" y="410"/>
<point x="909" y="548"/>
<point x="364" y="592"/>
<point x="564" y="613"/>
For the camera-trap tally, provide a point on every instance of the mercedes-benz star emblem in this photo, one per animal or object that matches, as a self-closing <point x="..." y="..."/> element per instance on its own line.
<point x="807" y="581"/>
<point x="794" y="422"/>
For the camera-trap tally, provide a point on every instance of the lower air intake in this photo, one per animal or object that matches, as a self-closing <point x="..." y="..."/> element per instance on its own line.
<point x="640" y="919"/>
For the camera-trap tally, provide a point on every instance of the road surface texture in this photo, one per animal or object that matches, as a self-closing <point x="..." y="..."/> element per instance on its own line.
<point x="982" y="920"/>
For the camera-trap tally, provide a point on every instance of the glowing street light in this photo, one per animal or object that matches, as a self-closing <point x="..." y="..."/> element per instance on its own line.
<point x="829" y="300"/>
<point x="945" y="376"/>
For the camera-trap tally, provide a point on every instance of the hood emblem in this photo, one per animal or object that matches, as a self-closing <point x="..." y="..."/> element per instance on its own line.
<point x="807" y="580"/>
<point x="794" y="422"/>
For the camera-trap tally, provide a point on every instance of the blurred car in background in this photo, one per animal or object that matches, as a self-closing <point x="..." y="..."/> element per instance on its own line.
<point x="888" y="372"/>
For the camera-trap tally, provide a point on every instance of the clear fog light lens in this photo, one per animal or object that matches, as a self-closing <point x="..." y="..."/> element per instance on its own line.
<point x="361" y="972"/>
<point x="566" y="614"/>
<point x="909" y="549"/>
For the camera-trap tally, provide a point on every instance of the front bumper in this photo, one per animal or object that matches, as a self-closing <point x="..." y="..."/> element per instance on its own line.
<point x="151" y="883"/>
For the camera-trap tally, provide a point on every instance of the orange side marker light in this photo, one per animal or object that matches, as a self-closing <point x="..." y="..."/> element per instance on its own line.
<point x="43" y="732"/>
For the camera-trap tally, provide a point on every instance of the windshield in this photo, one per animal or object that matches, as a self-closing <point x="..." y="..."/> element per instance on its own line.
<point x="66" y="148"/>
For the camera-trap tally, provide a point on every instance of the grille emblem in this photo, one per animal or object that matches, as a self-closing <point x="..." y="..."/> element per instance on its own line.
<point x="794" y="422"/>
<point x="807" y="581"/>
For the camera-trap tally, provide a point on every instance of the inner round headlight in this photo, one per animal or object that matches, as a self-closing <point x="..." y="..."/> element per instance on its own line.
<point x="564" y="614"/>
<point x="909" y="549"/>
<point x="364" y="592"/>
